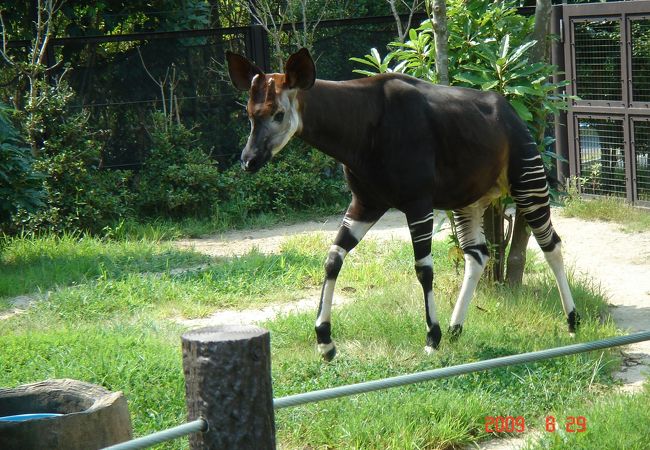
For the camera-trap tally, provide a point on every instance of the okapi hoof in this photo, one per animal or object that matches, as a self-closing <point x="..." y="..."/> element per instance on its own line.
<point x="434" y="335"/>
<point x="573" y="320"/>
<point x="455" y="332"/>
<point x="327" y="351"/>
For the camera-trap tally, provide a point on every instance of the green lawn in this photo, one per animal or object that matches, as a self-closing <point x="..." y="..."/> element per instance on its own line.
<point x="608" y="209"/>
<point x="110" y="325"/>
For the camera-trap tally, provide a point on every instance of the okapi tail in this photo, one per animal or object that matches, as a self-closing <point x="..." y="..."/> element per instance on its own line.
<point x="530" y="191"/>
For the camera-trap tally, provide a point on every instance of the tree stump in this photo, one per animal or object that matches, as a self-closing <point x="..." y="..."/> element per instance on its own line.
<point x="228" y="383"/>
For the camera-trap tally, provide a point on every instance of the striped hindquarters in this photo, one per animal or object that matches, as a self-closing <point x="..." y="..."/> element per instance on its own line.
<point x="529" y="190"/>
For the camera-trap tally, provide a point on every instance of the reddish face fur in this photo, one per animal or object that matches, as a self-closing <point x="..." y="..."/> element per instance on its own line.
<point x="272" y="106"/>
<point x="265" y="89"/>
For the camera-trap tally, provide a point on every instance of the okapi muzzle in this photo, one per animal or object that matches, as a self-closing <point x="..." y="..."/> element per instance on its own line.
<point x="257" y="151"/>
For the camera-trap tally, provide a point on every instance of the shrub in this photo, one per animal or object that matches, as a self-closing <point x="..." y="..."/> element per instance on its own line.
<point x="20" y="185"/>
<point x="178" y="178"/>
<point x="300" y="178"/>
<point x="488" y="43"/>
<point x="78" y="197"/>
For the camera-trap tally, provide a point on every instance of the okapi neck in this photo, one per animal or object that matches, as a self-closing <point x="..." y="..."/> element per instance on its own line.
<point x="338" y="117"/>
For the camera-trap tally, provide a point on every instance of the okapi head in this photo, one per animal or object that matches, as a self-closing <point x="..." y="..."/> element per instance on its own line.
<point x="272" y="105"/>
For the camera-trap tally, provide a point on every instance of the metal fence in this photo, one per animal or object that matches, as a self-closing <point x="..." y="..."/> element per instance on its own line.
<point x="604" y="49"/>
<point x="117" y="78"/>
<point x="210" y="422"/>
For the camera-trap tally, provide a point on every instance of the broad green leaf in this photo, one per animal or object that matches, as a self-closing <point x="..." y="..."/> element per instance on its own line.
<point x="413" y="35"/>
<point x="521" y="109"/>
<point x="401" y="66"/>
<point x="523" y="90"/>
<point x="504" y="46"/>
<point x="470" y="78"/>
<point x="376" y="55"/>
<point x="364" y="72"/>
<point x="489" y="85"/>
<point x="363" y="61"/>
<point x="520" y="50"/>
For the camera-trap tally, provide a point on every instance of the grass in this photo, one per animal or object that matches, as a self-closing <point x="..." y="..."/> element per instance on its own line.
<point x="166" y="229"/>
<point x="114" y="330"/>
<point x="31" y="265"/>
<point x="608" y="209"/>
<point x="614" y="422"/>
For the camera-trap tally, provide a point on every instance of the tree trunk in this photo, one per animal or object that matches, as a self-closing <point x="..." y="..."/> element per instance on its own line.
<point x="540" y="30"/>
<point x="494" y="234"/>
<point x="228" y="383"/>
<point x="517" y="254"/>
<point x="441" y="35"/>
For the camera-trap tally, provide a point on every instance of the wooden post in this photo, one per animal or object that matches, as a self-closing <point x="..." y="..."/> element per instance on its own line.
<point x="228" y="383"/>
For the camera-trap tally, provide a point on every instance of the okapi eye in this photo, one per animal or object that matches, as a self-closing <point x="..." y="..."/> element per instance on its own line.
<point x="279" y="117"/>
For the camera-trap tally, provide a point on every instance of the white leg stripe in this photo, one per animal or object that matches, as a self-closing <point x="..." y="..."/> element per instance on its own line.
<point x="431" y="304"/>
<point x="326" y="303"/>
<point x="324" y="348"/>
<point x="427" y="218"/>
<point x="554" y="259"/>
<point x="426" y="261"/>
<point x="357" y="229"/>
<point x="473" y="271"/>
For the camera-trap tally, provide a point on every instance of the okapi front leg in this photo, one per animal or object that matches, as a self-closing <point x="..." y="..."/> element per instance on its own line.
<point x="421" y="228"/>
<point x="349" y="235"/>
<point x="469" y="227"/>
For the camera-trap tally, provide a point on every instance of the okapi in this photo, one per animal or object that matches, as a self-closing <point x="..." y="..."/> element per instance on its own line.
<point x="410" y="145"/>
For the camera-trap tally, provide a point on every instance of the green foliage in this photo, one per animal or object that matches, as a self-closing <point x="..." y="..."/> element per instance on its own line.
<point x="77" y="195"/>
<point x="20" y="185"/>
<point x="487" y="50"/>
<point x="178" y="178"/>
<point x="299" y="178"/>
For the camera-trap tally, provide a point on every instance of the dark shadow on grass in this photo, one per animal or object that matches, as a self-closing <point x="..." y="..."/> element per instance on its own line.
<point x="45" y="272"/>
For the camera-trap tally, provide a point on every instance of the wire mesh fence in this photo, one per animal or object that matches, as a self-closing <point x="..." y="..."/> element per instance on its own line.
<point x="640" y="33"/>
<point x="609" y="64"/>
<point x="642" y="159"/>
<point x="121" y="79"/>
<point x="598" y="60"/>
<point x="602" y="161"/>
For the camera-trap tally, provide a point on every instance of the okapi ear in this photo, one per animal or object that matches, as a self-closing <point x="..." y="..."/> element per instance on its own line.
<point x="300" y="70"/>
<point x="241" y="71"/>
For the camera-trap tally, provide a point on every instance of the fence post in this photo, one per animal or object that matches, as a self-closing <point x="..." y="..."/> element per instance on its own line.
<point x="228" y="383"/>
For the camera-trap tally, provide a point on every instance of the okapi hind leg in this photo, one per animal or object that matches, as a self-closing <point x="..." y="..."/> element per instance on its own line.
<point x="530" y="193"/>
<point x="350" y="233"/>
<point x="469" y="227"/>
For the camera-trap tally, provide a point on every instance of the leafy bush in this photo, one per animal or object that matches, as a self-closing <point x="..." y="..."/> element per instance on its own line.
<point x="300" y="178"/>
<point x="78" y="197"/>
<point x="20" y="185"/>
<point x="178" y="178"/>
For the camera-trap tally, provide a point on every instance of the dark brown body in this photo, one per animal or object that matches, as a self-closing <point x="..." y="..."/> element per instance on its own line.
<point x="407" y="138"/>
